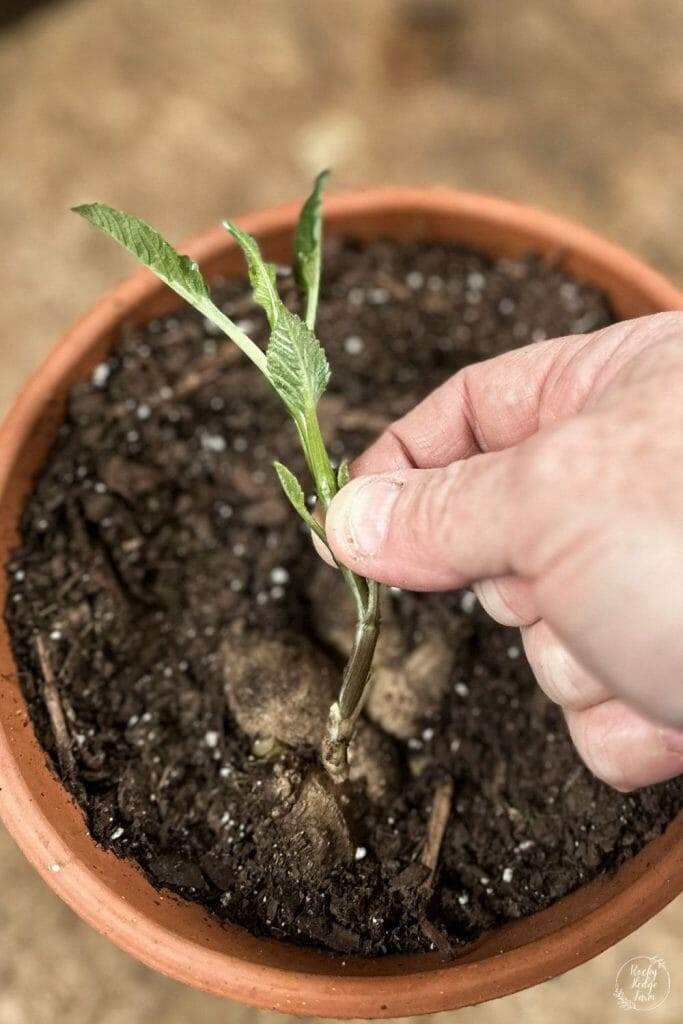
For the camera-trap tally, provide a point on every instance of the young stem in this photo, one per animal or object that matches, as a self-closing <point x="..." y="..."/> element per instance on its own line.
<point x="235" y="333"/>
<point x="357" y="673"/>
<point x="354" y="689"/>
<point x="317" y="459"/>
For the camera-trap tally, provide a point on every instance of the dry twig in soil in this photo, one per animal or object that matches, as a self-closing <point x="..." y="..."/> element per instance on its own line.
<point x="436" y="826"/>
<point x="54" y="709"/>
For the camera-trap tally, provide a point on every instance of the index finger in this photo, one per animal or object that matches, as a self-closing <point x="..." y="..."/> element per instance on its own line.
<point x="497" y="403"/>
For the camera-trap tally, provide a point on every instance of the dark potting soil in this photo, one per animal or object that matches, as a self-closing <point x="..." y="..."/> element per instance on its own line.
<point x="157" y="541"/>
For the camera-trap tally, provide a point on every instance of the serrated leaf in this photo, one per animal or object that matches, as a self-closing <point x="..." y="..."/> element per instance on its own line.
<point x="295" y="493"/>
<point x="261" y="274"/>
<point x="296" y="363"/>
<point x="343" y="473"/>
<point x="177" y="271"/>
<point x="293" y="490"/>
<point x="308" y="247"/>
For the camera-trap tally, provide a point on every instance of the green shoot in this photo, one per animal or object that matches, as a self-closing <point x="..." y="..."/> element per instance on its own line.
<point x="295" y="495"/>
<point x="261" y="275"/>
<point x="296" y="366"/>
<point x="308" y="248"/>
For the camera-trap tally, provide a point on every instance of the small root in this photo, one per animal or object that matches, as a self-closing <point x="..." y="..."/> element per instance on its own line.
<point x="436" y="827"/>
<point x="55" y="713"/>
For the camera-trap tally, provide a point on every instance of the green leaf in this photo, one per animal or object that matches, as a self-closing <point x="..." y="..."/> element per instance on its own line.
<point x="343" y="474"/>
<point x="295" y="493"/>
<point x="177" y="271"/>
<point x="261" y="274"/>
<point x="296" y="364"/>
<point x="293" y="490"/>
<point x="308" y="247"/>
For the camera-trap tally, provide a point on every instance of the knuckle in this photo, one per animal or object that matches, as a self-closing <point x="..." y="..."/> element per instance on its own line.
<point x="560" y="456"/>
<point x="615" y="778"/>
<point x="598" y="745"/>
<point x="554" y="669"/>
<point x="565" y="486"/>
<point x="497" y="601"/>
<point x="576" y="688"/>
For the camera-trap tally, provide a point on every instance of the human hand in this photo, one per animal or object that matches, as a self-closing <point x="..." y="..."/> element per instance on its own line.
<point x="551" y="479"/>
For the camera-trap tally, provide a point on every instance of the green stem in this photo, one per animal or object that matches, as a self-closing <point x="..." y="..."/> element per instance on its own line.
<point x="235" y="333"/>
<point x="357" y="673"/>
<point x="312" y="304"/>
<point x="352" y="693"/>
<point x="359" y="589"/>
<point x="354" y="689"/>
<point x="317" y="459"/>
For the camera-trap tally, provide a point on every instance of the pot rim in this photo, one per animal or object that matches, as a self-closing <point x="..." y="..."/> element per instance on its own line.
<point x="257" y="973"/>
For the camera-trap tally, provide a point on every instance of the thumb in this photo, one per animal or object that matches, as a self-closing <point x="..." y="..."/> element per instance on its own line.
<point x="427" y="529"/>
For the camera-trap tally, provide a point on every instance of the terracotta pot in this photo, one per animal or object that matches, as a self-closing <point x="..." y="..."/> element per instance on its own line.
<point x="178" y="938"/>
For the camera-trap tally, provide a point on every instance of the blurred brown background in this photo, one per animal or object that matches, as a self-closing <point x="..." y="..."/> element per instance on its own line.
<point x="187" y="112"/>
